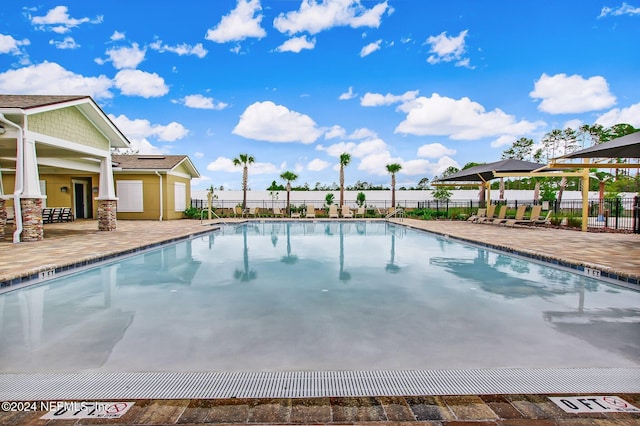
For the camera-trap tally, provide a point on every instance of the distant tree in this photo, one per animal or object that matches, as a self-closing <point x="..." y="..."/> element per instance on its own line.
<point x="441" y="193"/>
<point x="244" y="160"/>
<point x="423" y="183"/>
<point x="328" y="199"/>
<point x="522" y="149"/>
<point x="393" y="168"/>
<point x="275" y="187"/>
<point x="345" y="159"/>
<point x="449" y="171"/>
<point x="471" y="164"/>
<point x="360" y="199"/>
<point x="289" y="177"/>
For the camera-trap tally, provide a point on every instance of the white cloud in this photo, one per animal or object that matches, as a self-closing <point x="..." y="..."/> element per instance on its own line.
<point x="424" y="167"/>
<point x="347" y="95"/>
<point x="562" y="94"/>
<point x="370" y="48"/>
<point x="143" y="146"/>
<point x="141" y="129"/>
<point x="180" y="49"/>
<point x="67" y="43"/>
<point x="629" y="115"/>
<point x="447" y="49"/>
<point x="296" y="44"/>
<point x="239" y="24"/>
<point x="59" y="21"/>
<point x="266" y="121"/>
<point x="224" y="164"/>
<point x="10" y="45"/>
<point x="49" y="78"/>
<point x="363" y="133"/>
<point x="126" y="57"/>
<point x="358" y="150"/>
<point x="459" y="119"/>
<point x="317" y="165"/>
<point x="335" y="132"/>
<point x="140" y="83"/>
<point x="434" y="150"/>
<point x="199" y="154"/>
<point x="375" y="163"/>
<point x="377" y="99"/>
<point x="202" y="102"/>
<point x="313" y="17"/>
<point x="117" y="35"/>
<point x="625" y="9"/>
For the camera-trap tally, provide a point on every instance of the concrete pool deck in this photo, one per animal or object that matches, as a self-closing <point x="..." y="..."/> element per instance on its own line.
<point x="80" y="241"/>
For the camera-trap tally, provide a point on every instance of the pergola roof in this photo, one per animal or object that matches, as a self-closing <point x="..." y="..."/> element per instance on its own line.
<point x="484" y="172"/>
<point x="623" y="147"/>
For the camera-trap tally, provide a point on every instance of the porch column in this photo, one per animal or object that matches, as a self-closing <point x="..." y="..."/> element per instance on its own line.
<point x="31" y="198"/>
<point x="107" y="200"/>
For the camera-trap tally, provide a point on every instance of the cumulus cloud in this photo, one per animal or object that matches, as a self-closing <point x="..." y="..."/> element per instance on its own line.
<point x="375" y="163"/>
<point x="434" y="150"/>
<point x="363" y="133"/>
<point x="202" y="102"/>
<point x="49" y="78"/>
<point x="224" y="164"/>
<point x="448" y="49"/>
<point x="266" y="121"/>
<point x="142" y="129"/>
<point x="117" y="35"/>
<point x="459" y="119"/>
<point x="562" y="94"/>
<point x="347" y="95"/>
<point x="629" y="115"/>
<point x="625" y="9"/>
<point x="126" y="57"/>
<point x="67" y="43"/>
<point x="199" y="154"/>
<point x="180" y="49"/>
<point x="241" y="23"/>
<point x="424" y="167"/>
<point x="297" y="44"/>
<point x="335" y="132"/>
<point x="140" y="83"/>
<point x="370" y="48"/>
<point x="59" y="21"/>
<point x="357" y="150"/>
<point x="10" y="45"/>
<point x="377" y="99"/>
<point x="313" y="17"/>
<point x="317" y="165"/>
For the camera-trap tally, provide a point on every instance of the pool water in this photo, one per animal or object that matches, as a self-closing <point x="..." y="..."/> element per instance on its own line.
<point x="307" y="296"/>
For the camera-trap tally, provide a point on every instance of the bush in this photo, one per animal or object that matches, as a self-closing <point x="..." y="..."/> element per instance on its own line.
<point x="192" y="213"/>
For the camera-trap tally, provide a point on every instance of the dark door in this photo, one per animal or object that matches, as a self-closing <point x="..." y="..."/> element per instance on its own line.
<point x="79" y="200"/>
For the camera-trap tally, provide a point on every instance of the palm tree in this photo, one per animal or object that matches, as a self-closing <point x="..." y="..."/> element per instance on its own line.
<point x="288" y="176"/>
<point x="344" y="161"/>
<point x="393" y="169"/>
<point x="244" y="160"/>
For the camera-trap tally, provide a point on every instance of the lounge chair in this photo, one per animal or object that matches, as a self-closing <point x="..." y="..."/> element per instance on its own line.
<point x="254" y="211"/>
<point x="66" y="215"/>
<point x="47" y="215"/>
<point x="346" y="212"/>
<point x="361" y="211"/>
<point x="542" y="220"/>
<point x="333" y="211"/>
<point x="519" y="219"/>
<point x="295" y="215"/>
<point x="491" y="211"/>
<point x="480" y="213"/>
<point x="237" y="211"/>
<point x="311" y="211"/>
<point x="502" y="216"/>
<point x="277" y="212"/>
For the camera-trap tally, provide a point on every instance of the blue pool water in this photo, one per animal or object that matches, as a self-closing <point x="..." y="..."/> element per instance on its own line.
<point x="318" y="296"/>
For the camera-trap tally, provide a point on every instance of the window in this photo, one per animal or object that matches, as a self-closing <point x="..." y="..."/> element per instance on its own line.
<point x="129" y="196"/>
<point x="43" y="191"/>
<point x="180" y="191"/>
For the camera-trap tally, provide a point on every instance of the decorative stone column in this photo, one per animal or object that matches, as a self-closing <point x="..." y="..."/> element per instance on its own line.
<point x="3" y="218"/>
<point x="107" y="215"/>
<point x="32" y="229"/>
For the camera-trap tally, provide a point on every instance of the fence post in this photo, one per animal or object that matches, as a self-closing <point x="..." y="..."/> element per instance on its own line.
<point x="636" y="214"/>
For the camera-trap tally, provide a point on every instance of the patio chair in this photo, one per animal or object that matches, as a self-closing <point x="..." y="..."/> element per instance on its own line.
<point x="480" y="213"/>
<point x="519" y="219"/>
<point x="254" y="211"/>
<point x="542" y="220"/>
<point x="333" y="211"/>
<point x="237" y="211"/>
<point x="491" y="211"/>
<point x="502" y="215"/>
<point x="65" y="215"/>
<point x="47" y="215"/>
<point x="361" y="212"/>
<point x="311" y="211"/>
<point x="277" y="212"/>
<point x="346" y="212"/>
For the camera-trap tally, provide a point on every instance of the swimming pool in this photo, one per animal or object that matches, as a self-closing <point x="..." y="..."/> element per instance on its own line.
<point x="318" y="296"/>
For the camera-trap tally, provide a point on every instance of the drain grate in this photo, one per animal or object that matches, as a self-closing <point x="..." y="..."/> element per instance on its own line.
<point x="211" y="385"/>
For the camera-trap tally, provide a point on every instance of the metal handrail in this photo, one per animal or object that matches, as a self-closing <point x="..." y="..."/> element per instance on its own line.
<point x="397" y="212"/>
<point x="214" y="214"/>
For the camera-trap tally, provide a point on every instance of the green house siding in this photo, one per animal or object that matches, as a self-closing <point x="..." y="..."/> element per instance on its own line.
<point x="68" y="124"/>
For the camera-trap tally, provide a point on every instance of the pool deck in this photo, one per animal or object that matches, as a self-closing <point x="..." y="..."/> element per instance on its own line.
<point x="617" y="255"/>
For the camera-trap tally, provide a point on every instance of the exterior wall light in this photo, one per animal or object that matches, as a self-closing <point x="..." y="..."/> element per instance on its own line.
<point x="64" y="189"/>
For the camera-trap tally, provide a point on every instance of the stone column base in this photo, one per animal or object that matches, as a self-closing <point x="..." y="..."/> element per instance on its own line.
<point x="107" y="215"/>
<point x="32" y="229"/>
<point x="3" y="218"/>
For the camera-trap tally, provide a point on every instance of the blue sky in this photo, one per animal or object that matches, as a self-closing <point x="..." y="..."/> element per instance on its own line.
<point x="296" y="83"/>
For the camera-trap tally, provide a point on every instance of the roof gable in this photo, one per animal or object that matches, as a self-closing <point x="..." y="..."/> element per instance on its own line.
<point x="153" y="162"/>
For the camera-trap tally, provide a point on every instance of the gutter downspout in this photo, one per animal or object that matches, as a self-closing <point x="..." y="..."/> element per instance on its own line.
<point x="17" y="208"/>
<point x="161" y="203"/>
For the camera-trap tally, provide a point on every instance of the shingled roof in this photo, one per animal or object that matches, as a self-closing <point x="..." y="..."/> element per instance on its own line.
<point x="151" y="162"/>
<point x="35" y="101"/>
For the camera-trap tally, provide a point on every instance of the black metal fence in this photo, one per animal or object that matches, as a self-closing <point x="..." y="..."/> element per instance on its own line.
<point x="614" y="213"/>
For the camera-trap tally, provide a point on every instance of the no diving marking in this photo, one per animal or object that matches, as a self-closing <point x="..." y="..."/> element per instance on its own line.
<point x="594" y="404"/>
